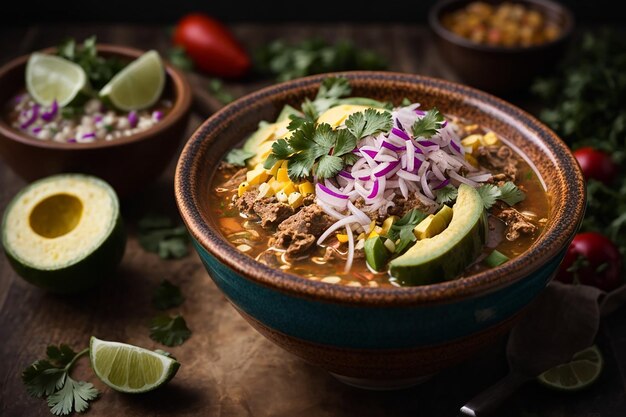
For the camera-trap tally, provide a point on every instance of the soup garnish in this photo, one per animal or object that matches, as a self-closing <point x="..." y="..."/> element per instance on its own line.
<point x="354" y="191"/>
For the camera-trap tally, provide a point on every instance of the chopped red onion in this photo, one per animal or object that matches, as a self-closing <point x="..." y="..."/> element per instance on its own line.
<point x="33" y="115"/>
<point x="400" y="134"/>
<point x="391" y="146"/>
<point x="385" y="168"/>
<point x="133" y="119"/>
<point x="420" y="112"/>
<point x="157" y="115"/>
<point x="442" y="184"/>
<point x="346" y="174"/>
<point x="89" y="135"/>
<point x="51" y="114"/>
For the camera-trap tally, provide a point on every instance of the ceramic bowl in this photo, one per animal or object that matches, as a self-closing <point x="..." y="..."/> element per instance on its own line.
<point x="381" y="337"/>
<point x="498" y="69"/>
<point x="128" y="164"/>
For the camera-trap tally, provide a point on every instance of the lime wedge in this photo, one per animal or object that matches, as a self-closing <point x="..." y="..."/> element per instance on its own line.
<point x="581" y="372"/>
<point x="128" y="368"/>
<point x="50" y="78"/>
<point x="139" y="85"/>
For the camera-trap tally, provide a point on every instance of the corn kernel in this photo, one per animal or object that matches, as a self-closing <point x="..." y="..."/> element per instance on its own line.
<point x="282" y="174"/>
<point x="491" y="139"/>
<point x="265" y="190"/>
<point x="276" y="185"/>
<point x="472" y="141"/>
<point x="289" y="188"/>
<point x="342" y="238"/>
<point x="282" y="197"/>
<point x="274" y="169"/>
<point x="243" y="187"/>
<point x="306" y="188"/>
<point x="256" y="176"/>
<point x="295" y="199"/>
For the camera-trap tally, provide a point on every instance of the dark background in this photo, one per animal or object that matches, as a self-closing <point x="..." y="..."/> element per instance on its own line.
<point x="87" y="11"/>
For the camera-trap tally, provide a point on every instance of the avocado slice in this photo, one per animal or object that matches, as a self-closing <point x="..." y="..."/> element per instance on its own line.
<point x="336" y="115"/>
<point x="446" y="255"/>
<point x="286" y="112"/>
<point x="64" y="233"/>
<point x="433" y="224"/>
<point x="376" y="253"/>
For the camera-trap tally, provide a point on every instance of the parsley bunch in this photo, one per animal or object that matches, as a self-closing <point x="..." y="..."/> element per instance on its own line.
<point x="50" y="378"/>
<point x="314" y="56"/>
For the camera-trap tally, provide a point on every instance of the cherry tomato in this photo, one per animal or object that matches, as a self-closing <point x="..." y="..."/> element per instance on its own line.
<point x="592" y="259"/>
<point x="596" y="164"/>
<point x="211" y="46"/>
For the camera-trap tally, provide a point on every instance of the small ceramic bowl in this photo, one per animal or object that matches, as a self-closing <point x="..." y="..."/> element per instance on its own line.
<point x="128" y="164"/>
<point x="500" y="69"/>
<point x="381" y="337"/>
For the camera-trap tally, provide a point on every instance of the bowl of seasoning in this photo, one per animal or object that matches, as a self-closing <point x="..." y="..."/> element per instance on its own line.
<point x="110" y="111"/>
<point x="501" y="46"/>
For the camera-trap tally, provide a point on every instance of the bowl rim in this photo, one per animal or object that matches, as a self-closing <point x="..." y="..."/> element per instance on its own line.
<point x="181" y="104"/>
<point x="550" y="244"/>
<point x="434" y="21"/>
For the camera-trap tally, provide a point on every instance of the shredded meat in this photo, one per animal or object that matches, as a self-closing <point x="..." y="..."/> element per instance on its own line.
<point x="237" y="178"/>
<point x="499" y="159"/>
<point x="299" y="232"/>
<point x="245" y="203"/>
<point x="268" y="209"/>
<point x="403" y="206"/>
<point x="516" y="223"/>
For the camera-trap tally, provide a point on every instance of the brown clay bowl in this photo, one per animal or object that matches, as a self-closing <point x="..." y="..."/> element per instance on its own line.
<point x="498" y="69"/>
<point x="128" y="164"/>
<point x="381" y="337"/>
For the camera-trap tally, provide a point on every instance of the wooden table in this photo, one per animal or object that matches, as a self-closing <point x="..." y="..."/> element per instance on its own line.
<point x="227" y="368"/>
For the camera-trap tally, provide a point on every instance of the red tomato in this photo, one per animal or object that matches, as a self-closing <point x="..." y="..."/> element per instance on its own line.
<point x="211" y="46"/>
<point x="596" y="164"/>
<point x="592" y="259"/>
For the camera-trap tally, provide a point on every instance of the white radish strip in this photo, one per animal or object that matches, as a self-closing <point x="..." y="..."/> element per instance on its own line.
<point x="385" y="158"/>
<point x="480" y="177"/>
<point x="363" y="218"/>
<point x="350" y="250"/>
<point x="437" y="172"/>
<point x="403" y="188"/>
<point x="410" y="154"/>
<point x="408" y="176"/>
<point x="462" y="179"/>
<point x="360" y="189"/>
<point x="357" y="165"/>
<point x="335" y="226"/>
<point x="332" y="187"/>
<point x="425" y="188"/>
<point x="348" y="188"/>
<point x="329" y="210"/>
<point x="369" y="160"/>
<point x="362" y="174"/>
<point x="422" y="170"/>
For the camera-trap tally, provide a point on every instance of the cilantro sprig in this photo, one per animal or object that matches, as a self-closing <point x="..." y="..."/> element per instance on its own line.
<point x="401" y="231"/>
<point x="170" y="331"/>
<point x="428" y="125"/>
<point x="50" y="378"/>
<point x="159" y="234"/>
<point x="508" y="192"/>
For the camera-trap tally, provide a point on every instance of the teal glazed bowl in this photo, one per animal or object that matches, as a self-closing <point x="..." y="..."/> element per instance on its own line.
<point x="381" y="337"/>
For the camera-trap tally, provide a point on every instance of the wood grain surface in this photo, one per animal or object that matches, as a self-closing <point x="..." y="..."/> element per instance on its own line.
<point x="227" y="368"/>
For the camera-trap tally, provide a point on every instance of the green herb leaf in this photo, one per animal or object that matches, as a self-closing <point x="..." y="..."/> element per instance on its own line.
<point x="344" y="143"/>
<point x="331" y="90"/>
<point x="42" y="378"/>
<point x="158" y="234"/>
<point x="178" y="57"/>
<point x="510" y="194"/>
<point x="74" y="396"/>
<point x="314" y="56"/>
<point x="61" y="355"/>
<point x="170" y="331"/>
<point x="403" y="230"/>
<point x="446" y="194"/>
<point x="239" y="156"/>
<point x="328" y="166"/>
<point x="217" y="90"/>
<point x="369" y="122"/>
<point x="428" y="125"/>
<point x="167" y="295"/>
<point x="489" y="193"/>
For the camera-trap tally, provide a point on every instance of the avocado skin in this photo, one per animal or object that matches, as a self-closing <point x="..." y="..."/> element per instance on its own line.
<point x="82" y="275"/>
<point x="447" y="266"/>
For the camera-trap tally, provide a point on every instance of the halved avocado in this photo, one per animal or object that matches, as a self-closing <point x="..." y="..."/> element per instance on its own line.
<point x="64" y="233"/>
<point x="446" y="255"/>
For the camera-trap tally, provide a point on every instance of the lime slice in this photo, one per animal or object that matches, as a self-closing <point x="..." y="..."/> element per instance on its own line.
<point x="128" y="368"/>
<point x="138" y="85"/>
<point x="581" y="372"/>
<point x="50" y="78"/>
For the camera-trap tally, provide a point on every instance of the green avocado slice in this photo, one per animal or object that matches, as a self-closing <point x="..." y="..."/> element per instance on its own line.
<point x="446" y="255"/>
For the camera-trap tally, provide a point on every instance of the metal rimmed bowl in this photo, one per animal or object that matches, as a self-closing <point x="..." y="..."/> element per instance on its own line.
<point x="381" y="337"/>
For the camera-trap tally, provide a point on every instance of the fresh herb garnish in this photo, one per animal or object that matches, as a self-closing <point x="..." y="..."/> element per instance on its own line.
<point x="179" y="58"/>
<point x="167" y="295"/>
<point x="239" y="156"/>
<point x="328" y="95"/>
<point x="428" y="125"/>
<point x="369" y="122"/>
<point x="219" y="92"/>
<point x="50" y="378"/>
<point x="158" y="234"/>
<point x="446" y="194"/>
<point x="401" y="232"/>
<point x="99" y="70"/>
<point x="170" y="331"/>
<point x="314" y="56"/>
<point x="507" y="192"/>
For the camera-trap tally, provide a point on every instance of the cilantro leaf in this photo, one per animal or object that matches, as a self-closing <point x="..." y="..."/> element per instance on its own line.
<point x="428" y="125"/>
<point x="402" y="230"/>
<point x="369" y="122"/>
<point x="158" y="234"/>
<point x="167" y="295"/>
<point x="489" y="193"/>
<point x="239" y="156"/>
<point x="344" y="143"/>
<point x="42" y="378"/>
<point x="446" y="194"/>
<point x="170" y="331"/>
<point x="60" y="356"/>
<point x="330" y="91"/>
<point x="510" y="194"/>
<point x="74" y="396"/>
<point x="328" y="166"/>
